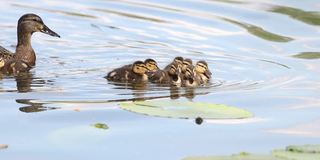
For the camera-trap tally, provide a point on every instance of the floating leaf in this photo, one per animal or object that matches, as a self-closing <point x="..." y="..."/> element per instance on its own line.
<point x="295" y="155"/>
<point x="3" y="146"/>
<point x="308" y="55"/>
<point x="101" y="126"/>
<point x="235" y="157"/>
<point x="179" y="109"/>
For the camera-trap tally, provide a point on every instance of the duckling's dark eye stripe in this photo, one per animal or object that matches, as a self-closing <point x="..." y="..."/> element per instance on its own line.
<point x="203" y="66"/>
<point x="178" y="61"/>
<point x="173" y="67"/>
<point x="186" y="63"/>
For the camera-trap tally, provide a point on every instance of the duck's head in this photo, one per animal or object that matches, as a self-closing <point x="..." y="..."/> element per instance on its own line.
<point x="189" y="73"/>
<point x="30" y="23"/>
<point x="179" y="61"/>
<point x="174" y="69"/>
<point x="202" y="68"/>
<point x="139" y="67"/>
<point x="151" y="64"/>
<point x="186" y="63"/>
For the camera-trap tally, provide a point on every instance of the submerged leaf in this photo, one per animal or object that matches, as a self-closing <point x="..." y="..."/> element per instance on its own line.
<point x="308" y="55"/>
<point x="101" y="126"/>
<point x="179" y="109"/>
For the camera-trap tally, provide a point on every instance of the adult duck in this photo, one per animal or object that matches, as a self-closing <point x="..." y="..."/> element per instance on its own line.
<point x="24" y="58"/>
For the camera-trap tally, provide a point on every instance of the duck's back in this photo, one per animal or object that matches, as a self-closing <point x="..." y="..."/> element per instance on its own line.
<point x="5" y="57"/>
<point x="119" y="75"/>
<point x="5" y="54"/>
<point x="159" y="76"/>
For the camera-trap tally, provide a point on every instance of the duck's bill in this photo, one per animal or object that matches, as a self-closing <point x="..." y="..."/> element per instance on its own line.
<point x="48" y="31"/>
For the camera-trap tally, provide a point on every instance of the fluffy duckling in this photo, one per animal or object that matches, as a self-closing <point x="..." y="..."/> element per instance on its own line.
<point x="170" y="76"/>
<point x="135" y="74"/>
<point x="177" y="60"/>
<point x="189" y="78"/>
<point x="152" y="67"/>
<point x="202" y="72"/>
<point x="24" y="58"/>
<point x="185" y="63"/>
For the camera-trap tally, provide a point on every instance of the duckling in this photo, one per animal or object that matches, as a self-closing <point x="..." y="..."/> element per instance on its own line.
<point x="202" y="72"/>
<point x="185" y="63"/>
<point x="189" y="78"/>
<point x="169" y="76"/>
<point x="24" y="58"/>
<point x="178" y="60"/>
<point x="151" y="65"/>
<point x="135" y="74"/>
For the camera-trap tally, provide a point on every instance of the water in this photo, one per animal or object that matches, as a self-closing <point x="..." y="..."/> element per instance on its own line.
<point x="250" y="48"/>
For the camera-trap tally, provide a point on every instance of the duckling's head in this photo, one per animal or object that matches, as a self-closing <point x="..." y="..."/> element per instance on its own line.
<point x="151" y="64"/>
<point x="139" y="67"/>
<point x="30" y="23"/>
<point x="189" y="74"/>
<point x="202" y="68"/>
<point x="186" y="62"/>
<point x="179" y="61"/>
<point x="174" y="69"/>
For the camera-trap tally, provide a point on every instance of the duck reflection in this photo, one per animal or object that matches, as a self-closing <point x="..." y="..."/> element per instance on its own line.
<point x="25" y="82"/>
<point x="32" y="106"/>
<point x="145" y="91"/>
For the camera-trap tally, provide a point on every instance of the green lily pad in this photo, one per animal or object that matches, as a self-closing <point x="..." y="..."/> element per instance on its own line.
<point x="101" y="126"/>
<point x="295" y="155"/>
<point x="235" y="157"/>
<point x="308" y="55"/>
<point x="180" y="109"/>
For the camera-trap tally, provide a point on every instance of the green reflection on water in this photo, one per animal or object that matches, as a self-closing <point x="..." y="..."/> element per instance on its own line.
<point x="308" y="55"/>
<point x="312" y="18"/>
<point x="260" y="32"/>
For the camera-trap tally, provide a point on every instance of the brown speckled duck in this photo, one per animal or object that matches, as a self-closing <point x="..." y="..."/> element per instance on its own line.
<point x="24" y="58"/>
<point x="135" y="74"/>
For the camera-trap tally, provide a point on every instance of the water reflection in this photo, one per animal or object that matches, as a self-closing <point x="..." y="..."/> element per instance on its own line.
<point x="32" y="106"/>
<point x="25" y="82"/>
<point x="142" y="92"/>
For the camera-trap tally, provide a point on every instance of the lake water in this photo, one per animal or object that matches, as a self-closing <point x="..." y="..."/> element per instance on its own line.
<point x="249" y="45"/>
